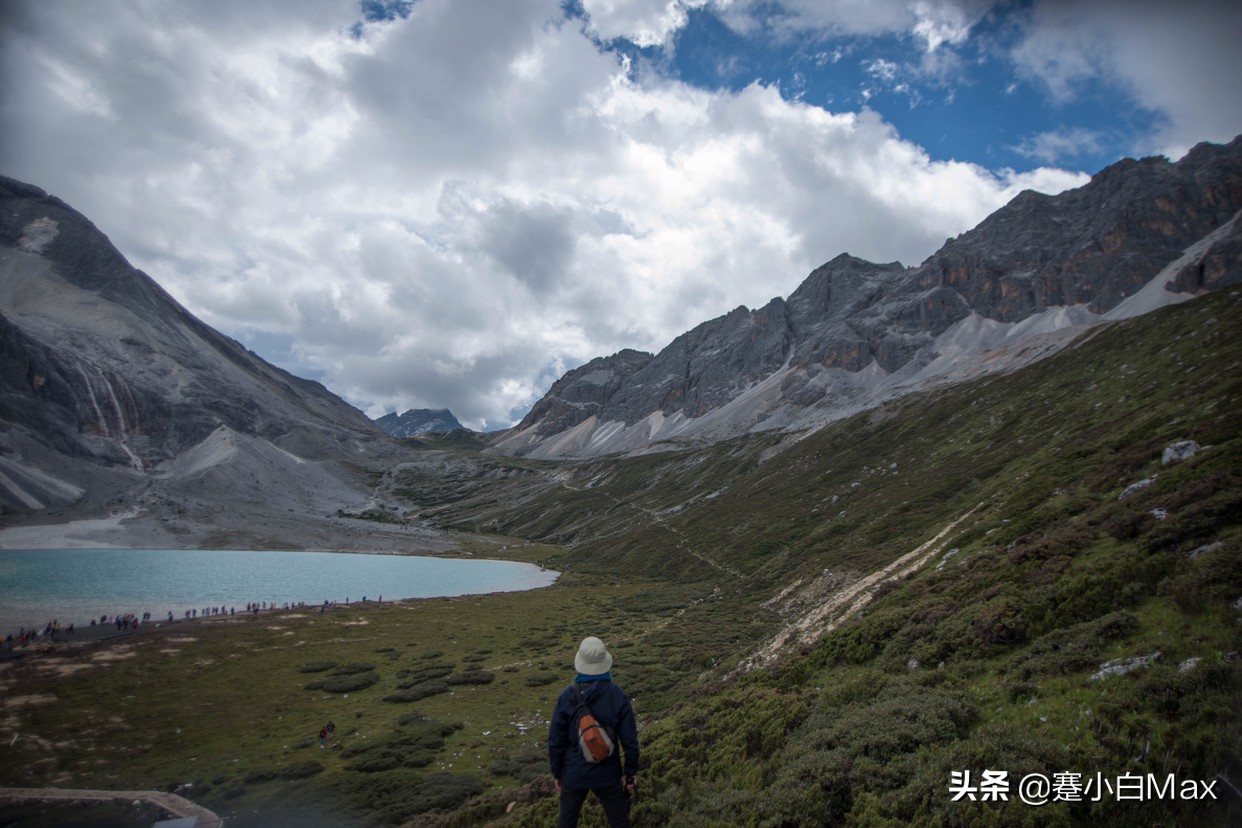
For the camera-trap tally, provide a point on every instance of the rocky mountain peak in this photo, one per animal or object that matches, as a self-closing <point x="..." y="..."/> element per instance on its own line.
<point x="580" y="393"/>
<point x="855" y="332"/>
<point x="105" y="375"/>
<point x="418" y="421"/>
<point x="1093" y="245"/>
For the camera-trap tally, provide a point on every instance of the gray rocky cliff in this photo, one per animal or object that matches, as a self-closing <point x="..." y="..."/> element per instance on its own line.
<point x="582" y="392"/>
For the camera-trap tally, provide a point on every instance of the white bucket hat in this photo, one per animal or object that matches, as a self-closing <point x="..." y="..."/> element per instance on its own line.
<point x="592" y="658"/>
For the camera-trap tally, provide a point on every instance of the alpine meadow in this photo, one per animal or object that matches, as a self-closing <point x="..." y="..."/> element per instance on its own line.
<point x="815" y="630"/>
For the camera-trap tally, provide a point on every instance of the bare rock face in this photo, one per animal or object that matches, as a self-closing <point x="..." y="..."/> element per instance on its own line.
<point x="102" y="370"/>
<point x="706" y="367"/>
<point x="582" y="392"/>
<point x="1220" y="264"/>
<point x="1086" y="249"/>
<point x="837" y="316"/>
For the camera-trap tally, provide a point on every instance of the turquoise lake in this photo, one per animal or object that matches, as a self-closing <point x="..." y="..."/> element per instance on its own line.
<point x="75" y="585"/>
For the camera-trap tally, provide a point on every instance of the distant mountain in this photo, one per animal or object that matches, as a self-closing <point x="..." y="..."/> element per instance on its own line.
<point x="112" y="395"/>
<point x="1139" y="235"/>
<point x="418" y="421"/>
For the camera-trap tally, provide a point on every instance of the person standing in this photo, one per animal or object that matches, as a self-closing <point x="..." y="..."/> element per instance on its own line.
<point x="612" y="781"/>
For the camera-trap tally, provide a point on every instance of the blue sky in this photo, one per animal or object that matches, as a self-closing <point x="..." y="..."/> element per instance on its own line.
<point x="448" y="204"/>
<point x="967" y="100"/>
<point x="974" y="108"/>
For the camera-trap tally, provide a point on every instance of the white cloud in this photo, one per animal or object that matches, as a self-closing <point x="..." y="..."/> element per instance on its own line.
<point x="457" y="206"/>
<point x="938" y="22"/>
<point x="1054" y="147"/>
<point x="881" y="69"/>
<point x="1180" y="60"/>
<point x="933" y="22"/>
<point x="644" y="22"/>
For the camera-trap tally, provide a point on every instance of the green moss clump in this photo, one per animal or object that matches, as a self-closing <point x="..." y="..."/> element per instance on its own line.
<point x="349" y="683"/>
<point x="317" y="667"/>
<point x="474" y="676"/>
<point x="301" y="770"/>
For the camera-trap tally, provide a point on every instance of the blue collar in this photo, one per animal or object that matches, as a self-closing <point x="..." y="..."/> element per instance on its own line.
<point x="581" y="679"/>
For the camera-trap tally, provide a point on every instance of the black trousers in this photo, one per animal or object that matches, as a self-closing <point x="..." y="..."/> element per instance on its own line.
<point x="614" y="798"/>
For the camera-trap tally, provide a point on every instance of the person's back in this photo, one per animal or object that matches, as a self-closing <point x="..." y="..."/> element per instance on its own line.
<point x="612" y="780"/>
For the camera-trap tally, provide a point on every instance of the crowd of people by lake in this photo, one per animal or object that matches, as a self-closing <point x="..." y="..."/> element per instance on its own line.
<point x="103" y="625"/>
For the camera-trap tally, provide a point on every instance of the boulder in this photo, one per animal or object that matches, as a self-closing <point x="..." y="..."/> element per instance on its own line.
<point x="1179" y="451"/>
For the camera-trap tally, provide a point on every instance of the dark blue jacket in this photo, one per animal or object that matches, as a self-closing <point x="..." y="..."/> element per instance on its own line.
<point x="611" y="707"/>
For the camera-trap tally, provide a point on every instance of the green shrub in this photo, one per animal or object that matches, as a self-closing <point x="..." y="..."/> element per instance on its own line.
<point x="256" y="777"/>
<point x="349" y="683"/>
<point x="401" y="796"/>
<point x="524" y="765"/>
<point x="403" y="697"/>
<point x="406" y="695"/>
<point x="317" y="667"/>
<point x="472" y="677"/>
<point x="1072" y="649"/>
<point x="998" y="623"/>
<point x="301" y="770"/>
<point x="862" y="639"/>
<point x="1212" y="581"/>
<point x="409" y="678"/>
<point x="415" y="748"/>
<point x="1199" y="510"/>
<point x="375" y="764"/>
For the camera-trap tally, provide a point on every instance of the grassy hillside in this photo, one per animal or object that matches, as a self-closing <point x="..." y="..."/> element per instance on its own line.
<point x="816" y="630"/>
<point x="982" y="656"/>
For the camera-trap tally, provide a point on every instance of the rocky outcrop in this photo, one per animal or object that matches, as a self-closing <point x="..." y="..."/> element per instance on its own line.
<point x="838" y="317"/>
<point x="1219" y="264"/>
<point x="1039" y="264"/>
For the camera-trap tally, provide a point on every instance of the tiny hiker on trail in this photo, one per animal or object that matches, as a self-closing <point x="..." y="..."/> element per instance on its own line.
<point x="592" y="721"/>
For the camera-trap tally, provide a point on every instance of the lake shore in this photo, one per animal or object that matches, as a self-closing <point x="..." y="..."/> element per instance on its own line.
<point x="85" y="636"/>
<point x="92" y="638"/>
<point x="46" y="587"/>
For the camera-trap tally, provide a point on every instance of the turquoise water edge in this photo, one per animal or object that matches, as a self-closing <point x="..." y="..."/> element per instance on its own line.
<point x="38" y="586"/>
